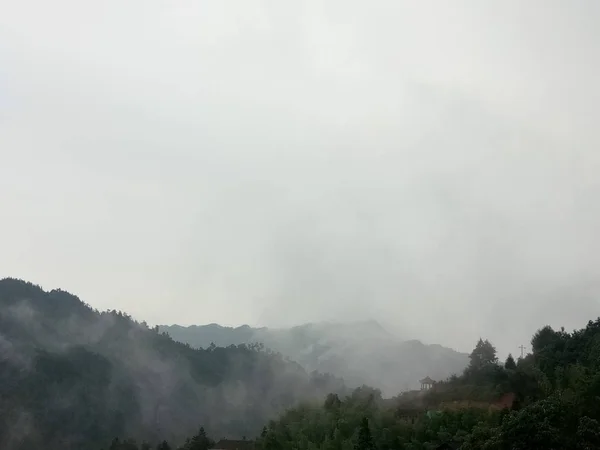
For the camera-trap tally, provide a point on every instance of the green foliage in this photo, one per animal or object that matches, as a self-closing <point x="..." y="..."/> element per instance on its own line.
<point x="71" y="374"/>
<point x="199" y="441"/>
<point x="95" y="376"/>
<point x="359" y="352"/>
<point x="364" y="440"/>
<point x="510" y="363"/>
<point x="555" y="394"/>
<point x="484" y="354"/>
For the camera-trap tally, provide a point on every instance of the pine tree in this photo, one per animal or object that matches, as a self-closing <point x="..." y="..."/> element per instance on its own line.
<point x="483" y="354"/>
<point x="200" y="441"/>
<point x="510" y="363"/>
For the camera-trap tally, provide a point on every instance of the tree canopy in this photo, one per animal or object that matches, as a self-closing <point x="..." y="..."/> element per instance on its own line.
<point x="72" y="377"/>
<point x="71" y="374"/>
<point x="482" y="355"/>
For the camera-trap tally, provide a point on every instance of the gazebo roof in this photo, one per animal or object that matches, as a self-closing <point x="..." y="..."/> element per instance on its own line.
<point x="427" y="380"/>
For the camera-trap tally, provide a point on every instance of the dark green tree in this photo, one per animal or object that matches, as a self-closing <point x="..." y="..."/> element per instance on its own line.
<point x="365" y="439"/>
<point x="200" y="441"/>
<point x="332" y="402"/>
<point x="270" y="442"/>
<point x="115" y="444"/>
<point x="163" y="446"/>
<point x="482" y="355"/>
<point x="588" y="434"/>
<point x="510" y="363"/>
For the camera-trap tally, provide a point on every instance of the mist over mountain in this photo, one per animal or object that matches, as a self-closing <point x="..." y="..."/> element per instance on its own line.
<point x="73" y="377"/>
<point x="359" y="352"/>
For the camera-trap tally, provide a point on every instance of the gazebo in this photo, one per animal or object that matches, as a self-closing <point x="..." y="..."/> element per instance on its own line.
<point x="426" y="383"/>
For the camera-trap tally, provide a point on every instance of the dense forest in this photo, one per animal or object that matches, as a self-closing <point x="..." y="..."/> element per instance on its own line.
<point x="548" y="400"/>
<point x="359" y="352"/>
<point x="553" y="403"/>
<point x="73" y="377"/>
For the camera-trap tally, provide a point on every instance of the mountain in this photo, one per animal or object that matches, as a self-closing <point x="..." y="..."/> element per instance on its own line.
<point x="359" y="352"/>
<point x="549" y="399"/>
<point x="73" y="377"/>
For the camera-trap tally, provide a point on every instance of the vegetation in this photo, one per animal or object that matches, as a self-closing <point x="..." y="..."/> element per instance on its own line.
<point x="554" y="403"/>
<point x="358" y="352"/>
<point x="74" y="378"/>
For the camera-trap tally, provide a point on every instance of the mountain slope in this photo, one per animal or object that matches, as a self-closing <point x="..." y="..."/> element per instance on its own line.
<point x="550" y="399"/>
<point x="70" y="375"/>
<point x="361" y="353"/>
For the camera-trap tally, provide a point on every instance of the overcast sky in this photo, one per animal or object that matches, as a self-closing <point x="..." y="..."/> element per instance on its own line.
<point x="431" y="164"/>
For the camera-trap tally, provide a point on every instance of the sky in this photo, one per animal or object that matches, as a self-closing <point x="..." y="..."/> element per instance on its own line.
<point x="432" y="165"/>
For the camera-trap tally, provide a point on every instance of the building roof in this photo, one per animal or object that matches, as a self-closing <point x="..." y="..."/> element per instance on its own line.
<point x="228" y="444"/>
<point x="427" y="380"/>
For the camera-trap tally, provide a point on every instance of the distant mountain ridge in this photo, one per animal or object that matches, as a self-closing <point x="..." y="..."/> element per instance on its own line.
<point x="360" y="352"/>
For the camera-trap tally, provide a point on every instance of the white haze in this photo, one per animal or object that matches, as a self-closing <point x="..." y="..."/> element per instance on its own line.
<point x="432" y="165"/>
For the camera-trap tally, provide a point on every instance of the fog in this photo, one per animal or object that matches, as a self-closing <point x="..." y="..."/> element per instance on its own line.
<point x="430" y="165"/>
<point x="61" y="356"/>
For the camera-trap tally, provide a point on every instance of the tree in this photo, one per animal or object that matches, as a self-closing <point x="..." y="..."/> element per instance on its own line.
<point x="510" y="363"/>
<point x="365" y="440"/>
<point x="332" y="402"/>
<point x="482" y="355"/>
<point x="199" y="441"/>
<point x="270" y="442"/>
<point x="550" y="350"/>
<point x="588" y="434"/>
<point x="62" y="365"/>
<point x="163" y="446"/>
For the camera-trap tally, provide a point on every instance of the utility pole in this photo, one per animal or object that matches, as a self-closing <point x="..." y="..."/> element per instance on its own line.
<point x="522" y="347"/>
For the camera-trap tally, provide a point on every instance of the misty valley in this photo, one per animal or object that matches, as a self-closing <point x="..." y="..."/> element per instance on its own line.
<point x="358" y="352"/>
<point x="72" y="377"/>
<point x="299" y="225"/>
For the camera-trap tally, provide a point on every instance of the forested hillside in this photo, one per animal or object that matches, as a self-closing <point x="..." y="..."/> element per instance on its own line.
<point x="72" y="377"/>
<point x="360" y="353"/>
<point x="548" y="400"/>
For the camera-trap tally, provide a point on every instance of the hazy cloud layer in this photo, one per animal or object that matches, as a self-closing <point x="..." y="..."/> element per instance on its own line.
<point x="430" y="164"/>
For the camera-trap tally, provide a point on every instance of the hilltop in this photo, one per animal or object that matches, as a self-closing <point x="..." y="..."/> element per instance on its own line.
<point x="359" y="352"/>
<point x="550" y="399"/>
<point x="74" y="377"/>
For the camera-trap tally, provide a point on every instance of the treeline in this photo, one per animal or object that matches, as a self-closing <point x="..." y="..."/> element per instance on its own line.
<point x="554" y="403"/>
<point x="359" y="352"/>
<point x="200" y="441"/>
<point x="75" y="378"/>
<point x="553" y="393"/>
<point x="72" y="377"/>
